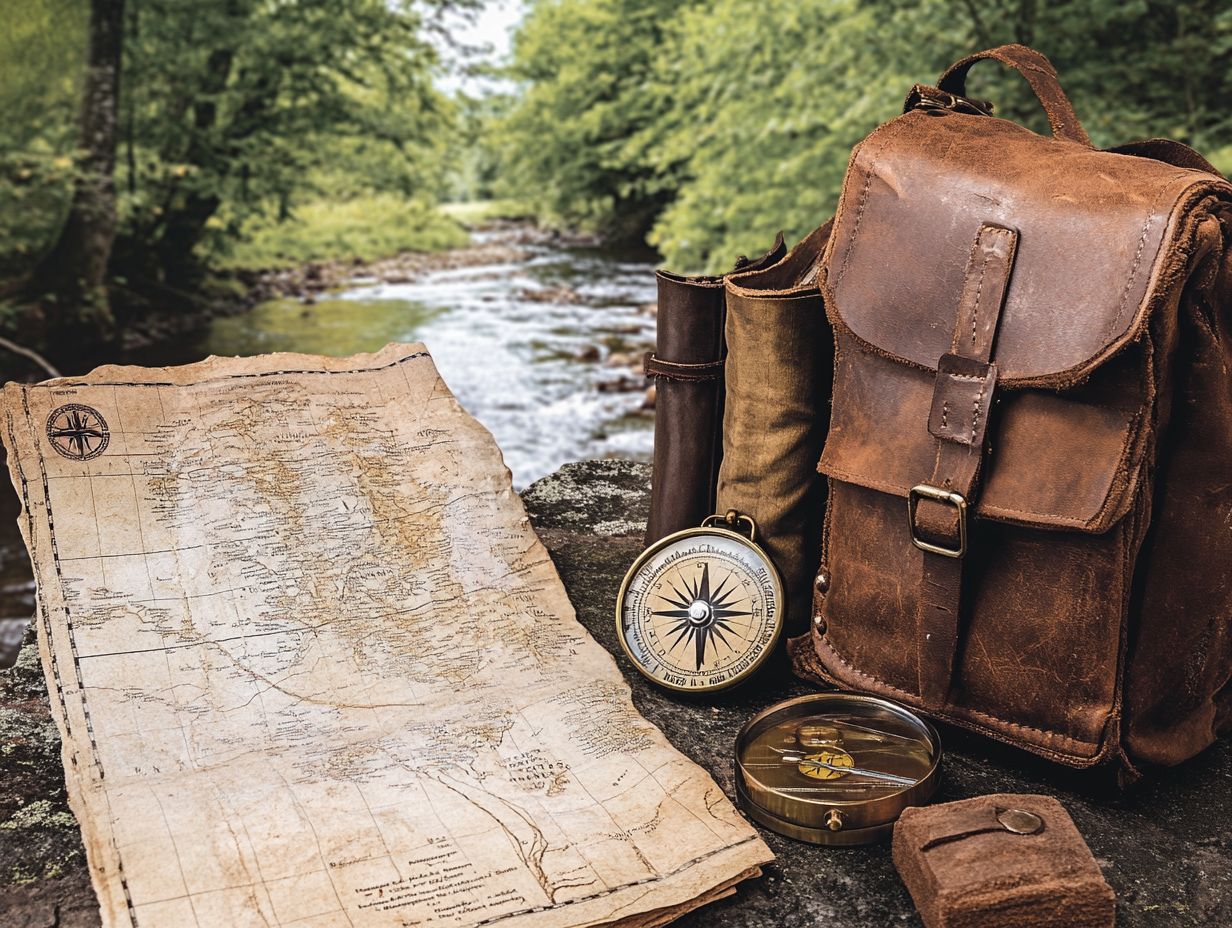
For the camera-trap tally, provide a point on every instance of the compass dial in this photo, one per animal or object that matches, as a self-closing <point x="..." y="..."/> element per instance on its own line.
<point x="700" y="610"/>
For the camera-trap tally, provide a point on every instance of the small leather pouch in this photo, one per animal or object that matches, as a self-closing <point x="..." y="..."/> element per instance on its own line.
<point x="687" y="369"/>
<point x="779" y="366"/>
<point x="1000" y="861"/>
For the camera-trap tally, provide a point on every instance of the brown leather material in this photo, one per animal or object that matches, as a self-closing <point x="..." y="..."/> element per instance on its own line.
<point x="687" y="365"/>
<point x="676" y="370"/>
<point x="962" y="395"/>
<point x="965" y="869"/>
<point x="778" y="390"/>
<point x="1169" y="152"/>
<point x="1074" y="303"/>
<point x="1081" y="438"/>
<point x="1088" y="425"/>
<point x="962" y="401"/>
<point x="1039" y="73"/>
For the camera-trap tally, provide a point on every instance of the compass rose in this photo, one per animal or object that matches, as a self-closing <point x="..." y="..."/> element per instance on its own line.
<point x="701" y="615"/>
<point x="77" y="432"/>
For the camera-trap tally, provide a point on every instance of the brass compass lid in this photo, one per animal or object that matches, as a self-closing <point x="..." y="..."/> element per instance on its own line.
<point x="702" y="609"/>
<point x="835" y="768"/>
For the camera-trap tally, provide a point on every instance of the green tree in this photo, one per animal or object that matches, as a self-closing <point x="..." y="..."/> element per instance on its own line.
<point x="73" y="273"/>
<point x="730" y="119"/>
<point x="765" y="108"/>
<point x="264" y="101"/>
<point x="42" y="54"/>
<point x="584" y="69"/>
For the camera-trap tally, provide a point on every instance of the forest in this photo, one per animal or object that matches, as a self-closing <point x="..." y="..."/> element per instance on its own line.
<point x="156" y="155"/>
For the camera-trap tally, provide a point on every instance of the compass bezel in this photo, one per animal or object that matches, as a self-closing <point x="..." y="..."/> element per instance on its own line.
<point x="703" y="531"/>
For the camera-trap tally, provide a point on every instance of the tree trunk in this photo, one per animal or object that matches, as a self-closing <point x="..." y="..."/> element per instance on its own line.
<point x="187" y="214"/>
<point x="73" y="273"/>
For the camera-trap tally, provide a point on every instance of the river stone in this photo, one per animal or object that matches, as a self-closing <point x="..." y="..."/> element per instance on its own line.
<point x="1164" y="848"/>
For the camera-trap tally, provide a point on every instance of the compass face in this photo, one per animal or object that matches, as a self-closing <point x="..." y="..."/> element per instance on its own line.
<point x="700" y="610"/>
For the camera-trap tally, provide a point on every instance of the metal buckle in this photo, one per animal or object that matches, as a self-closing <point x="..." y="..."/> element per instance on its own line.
<point x="930" y="98"/>
<point x="957" y="500"/>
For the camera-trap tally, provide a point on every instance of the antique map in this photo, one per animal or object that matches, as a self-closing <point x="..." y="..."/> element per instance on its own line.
<point x="312" y="666"/>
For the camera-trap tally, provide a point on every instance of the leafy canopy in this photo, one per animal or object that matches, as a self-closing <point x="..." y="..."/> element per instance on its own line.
<point x="711" y="124"/>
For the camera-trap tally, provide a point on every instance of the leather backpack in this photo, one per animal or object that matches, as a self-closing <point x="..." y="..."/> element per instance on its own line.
<point x="1029" y="459"/>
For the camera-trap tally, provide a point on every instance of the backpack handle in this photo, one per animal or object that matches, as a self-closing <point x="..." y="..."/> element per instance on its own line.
<point x="1039" y="73"/>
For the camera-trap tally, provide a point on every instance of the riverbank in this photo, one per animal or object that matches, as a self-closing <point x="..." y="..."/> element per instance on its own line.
<point x="487" y="238"/>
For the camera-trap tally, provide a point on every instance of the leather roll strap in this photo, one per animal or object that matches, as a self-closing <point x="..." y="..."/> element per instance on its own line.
<point x="680" y="371"/>
<point x="1169" y="152"/>
<point x="1039" y="73"/>
<point x="962" y="398"/>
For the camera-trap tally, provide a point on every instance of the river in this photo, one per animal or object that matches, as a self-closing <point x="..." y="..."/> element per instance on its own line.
<point x="538" y="347"/>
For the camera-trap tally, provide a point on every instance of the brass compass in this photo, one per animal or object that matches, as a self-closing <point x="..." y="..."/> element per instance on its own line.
<point x="835" y="768"/>
<point x="700" y="610"/>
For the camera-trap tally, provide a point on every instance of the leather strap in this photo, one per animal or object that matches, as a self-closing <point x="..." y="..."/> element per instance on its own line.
<point x="682" y="371"/>
<point x="962" y="398"/>
<point x="1169" y="152"/>
<point x="1039" y="73"/>
<point x="962" y="820"/>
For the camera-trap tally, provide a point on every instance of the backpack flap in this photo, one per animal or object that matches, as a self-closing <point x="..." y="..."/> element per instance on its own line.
<point x="992" y="292"/>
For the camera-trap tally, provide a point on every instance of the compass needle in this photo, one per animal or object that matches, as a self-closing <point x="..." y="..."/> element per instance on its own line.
<point x="672" y="613"/>
<point x="682" y="601"/>
<point x="701" y="610"/>
<point x="699" y="644"/>
<point x="835" y="768"/>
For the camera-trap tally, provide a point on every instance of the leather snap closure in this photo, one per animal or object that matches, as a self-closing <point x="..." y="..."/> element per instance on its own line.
<point x="819" y="623"/>
<point x="1020" y="822"/>
<point x="821" y="582"/>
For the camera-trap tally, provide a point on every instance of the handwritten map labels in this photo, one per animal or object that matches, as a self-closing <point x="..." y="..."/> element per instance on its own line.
<point x="258" y="584"/>
<point x="701" y="610"/>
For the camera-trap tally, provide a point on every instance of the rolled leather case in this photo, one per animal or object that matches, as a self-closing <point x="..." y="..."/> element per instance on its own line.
<point x="1001" y="861"/>
<point x="687" y="369"/>
<point x="777" y="410"/>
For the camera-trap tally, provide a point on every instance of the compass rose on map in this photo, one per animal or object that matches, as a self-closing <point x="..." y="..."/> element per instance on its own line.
<point x="77" y="432"/>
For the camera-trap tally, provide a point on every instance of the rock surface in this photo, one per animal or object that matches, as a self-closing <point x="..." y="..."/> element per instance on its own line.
<point x="1165" y="848"/>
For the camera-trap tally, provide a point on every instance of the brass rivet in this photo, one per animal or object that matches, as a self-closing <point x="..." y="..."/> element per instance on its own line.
<point x="819" y="623"/>
<point x="1020" y="822"/>
<point x="822" y="583"/>
<point x="834" y="820"/>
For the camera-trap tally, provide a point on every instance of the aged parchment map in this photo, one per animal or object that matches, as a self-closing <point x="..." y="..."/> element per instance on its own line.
<point x="312" y="666"/>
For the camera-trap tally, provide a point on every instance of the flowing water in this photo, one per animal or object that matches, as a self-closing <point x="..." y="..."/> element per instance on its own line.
<point x="525" y="345"/>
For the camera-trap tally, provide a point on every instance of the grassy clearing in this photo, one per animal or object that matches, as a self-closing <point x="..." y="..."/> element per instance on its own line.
<point x="477" y="212"/>
<point x="363" y="228"/>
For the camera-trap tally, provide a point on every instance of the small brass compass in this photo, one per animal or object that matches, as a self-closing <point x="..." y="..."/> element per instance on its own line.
<point x="700" y="610"/>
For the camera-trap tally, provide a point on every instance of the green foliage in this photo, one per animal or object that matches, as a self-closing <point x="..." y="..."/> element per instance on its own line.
<point x="234" y="116"/>
<point x="765" y="109"/>
<point x="474" y="155"/>
<point x="471" y="213"/>
<point x="584" y="69"/>
<point x="42" y="46"/>
<point x="360" y="229"/>
<point x="733" y="119"/>
<point x="242" y="107"/>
